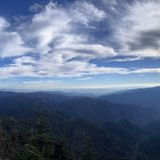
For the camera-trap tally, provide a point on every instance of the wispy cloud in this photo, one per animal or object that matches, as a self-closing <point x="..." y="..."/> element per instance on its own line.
<point x="138" y="30"/>
<point x="62" y="41"/>
<point x="11" y="43"/>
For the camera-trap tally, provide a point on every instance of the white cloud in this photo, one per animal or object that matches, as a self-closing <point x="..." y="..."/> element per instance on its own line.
<point x="28" y="67"/>
<point x="146" y="70"/>
<point x="40" y="82"/>
<point x="46" y="26"/>
<point x="84" y="78"/>
<point x="24" y="60"/>
<point x="57" y="39"/>
<point x="3" y="23"/>
<point x="84" y="13"/>
<point x="11" y="43"/>
<point x="138" y="31"/>
<point x="89" y="51"/>
<point x="37" y="85"/>
<point x="19" y="67"/>
<point x="55" y="25"/>
<point x="60" y="40"/>
<point x="16" y="71"/>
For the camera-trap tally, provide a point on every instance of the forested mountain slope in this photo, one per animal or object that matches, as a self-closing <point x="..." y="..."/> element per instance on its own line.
<point x="147" y="97"/>
<point x="49" y="126"/>
<point x="90" y="109"/>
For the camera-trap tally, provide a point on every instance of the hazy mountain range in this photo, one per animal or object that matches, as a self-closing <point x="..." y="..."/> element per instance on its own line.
<point x="139" y="106"/>
<point x="124" y="125"/>
<point x="148" y="97"/>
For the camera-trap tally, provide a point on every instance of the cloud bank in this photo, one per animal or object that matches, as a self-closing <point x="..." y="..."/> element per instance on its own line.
<point x="63" y="41"/>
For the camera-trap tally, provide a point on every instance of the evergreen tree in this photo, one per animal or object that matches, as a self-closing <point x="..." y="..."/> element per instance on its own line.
<point x="88" y="151"/>
<point x="62" y="152"/>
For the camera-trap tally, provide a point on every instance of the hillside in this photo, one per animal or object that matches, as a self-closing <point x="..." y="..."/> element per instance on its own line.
<point x="148" y="97"/>
<point x="55" y="126"/>
<point x="90" y="109"/>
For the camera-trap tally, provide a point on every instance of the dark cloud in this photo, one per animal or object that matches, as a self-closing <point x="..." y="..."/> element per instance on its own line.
<point x="146" y="40"/>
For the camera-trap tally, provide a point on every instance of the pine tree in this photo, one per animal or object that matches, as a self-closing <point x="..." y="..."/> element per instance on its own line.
<point x="88" y="150"/>
<point x="62" y="152"/>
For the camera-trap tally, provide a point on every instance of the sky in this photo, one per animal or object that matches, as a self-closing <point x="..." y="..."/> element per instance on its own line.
<point x="68" y="44"/>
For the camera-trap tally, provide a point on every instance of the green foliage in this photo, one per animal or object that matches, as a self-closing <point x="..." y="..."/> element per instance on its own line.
<point x="55" y="136"/>
<point x="62" y="152"/>
<point x="88" y="152"/>
<point x="33" y="144"/>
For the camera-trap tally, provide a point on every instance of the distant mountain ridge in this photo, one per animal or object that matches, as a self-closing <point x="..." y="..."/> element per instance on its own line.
<point x="147" y="97"/>
<point x="88" y="108"/>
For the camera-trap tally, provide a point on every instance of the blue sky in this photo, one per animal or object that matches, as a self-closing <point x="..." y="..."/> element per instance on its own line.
<point x="67" y="44"/>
